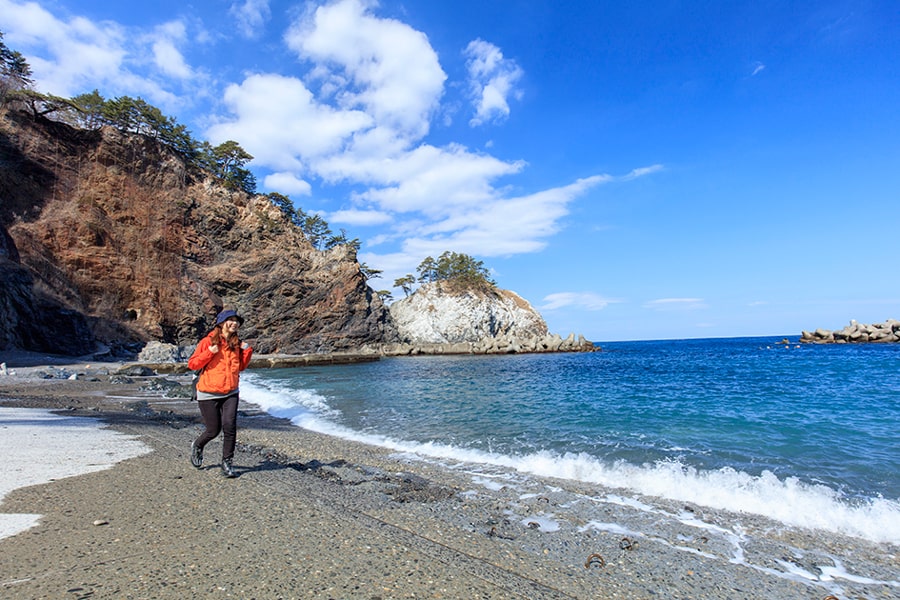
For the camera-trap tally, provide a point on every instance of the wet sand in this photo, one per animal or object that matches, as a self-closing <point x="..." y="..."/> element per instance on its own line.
<point x="313" y="516"/>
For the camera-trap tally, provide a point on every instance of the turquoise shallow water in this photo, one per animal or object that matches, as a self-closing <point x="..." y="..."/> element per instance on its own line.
<point x="743" y="424"/>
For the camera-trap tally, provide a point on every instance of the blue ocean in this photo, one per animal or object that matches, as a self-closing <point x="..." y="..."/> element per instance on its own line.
<point x="804" y="434"/>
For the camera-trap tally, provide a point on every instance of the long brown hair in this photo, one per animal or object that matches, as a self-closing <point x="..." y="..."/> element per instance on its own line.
<point x="233" y="342"/>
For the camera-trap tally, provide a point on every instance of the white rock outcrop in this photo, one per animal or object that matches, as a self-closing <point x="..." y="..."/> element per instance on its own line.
<point x="434" y="320"/>
<point x="433" y="315"/>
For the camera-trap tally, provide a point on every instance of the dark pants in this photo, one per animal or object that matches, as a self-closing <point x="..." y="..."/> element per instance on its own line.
<point x="219" y="415"/>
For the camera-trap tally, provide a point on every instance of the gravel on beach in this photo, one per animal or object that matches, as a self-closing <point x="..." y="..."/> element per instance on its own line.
<point x="314" y="516"/>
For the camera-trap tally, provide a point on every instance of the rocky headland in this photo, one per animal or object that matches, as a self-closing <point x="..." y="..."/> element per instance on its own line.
<point x="439" y="320"/>
<point x="112" y="240"/>
<point x="856" y="333"/>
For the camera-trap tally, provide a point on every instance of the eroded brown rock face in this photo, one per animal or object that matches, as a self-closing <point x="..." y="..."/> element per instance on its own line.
<point x="115" y="231"/>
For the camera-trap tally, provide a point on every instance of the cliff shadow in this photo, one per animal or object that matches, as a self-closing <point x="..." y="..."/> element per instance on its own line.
<point x="25" y="184"/>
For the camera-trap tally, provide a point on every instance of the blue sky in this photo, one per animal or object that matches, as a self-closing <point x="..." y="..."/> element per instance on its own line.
<point x="641" y="170"/>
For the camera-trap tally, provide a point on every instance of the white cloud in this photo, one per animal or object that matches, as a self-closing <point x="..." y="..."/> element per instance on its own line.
<point x="251" y="16"/>
<point x="585" y="300"/>
<point x="287" y="183"/>
<point x="758" y="67"/>
<point x="382" y="66"/>
<point x="505" y="226"/>
<point x="372" y="88"/>
<point x="496" y="226"/>
<point x="166" y="55"/>
<point x="499" y="227"/>
<point x="667" y="304"/>
<point x="641" y="172"/>
<point x="74" y="56"/>
<point x="434" y="181"/>
<point x="277" y="120"/>
<point x="360" y="217"/>
<point x="492" y="80"/>
<point x="370" y="92"/>
<point x="63" y="55"/>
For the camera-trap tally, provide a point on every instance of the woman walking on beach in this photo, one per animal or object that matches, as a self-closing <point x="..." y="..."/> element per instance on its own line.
<point x="222" y="356"/>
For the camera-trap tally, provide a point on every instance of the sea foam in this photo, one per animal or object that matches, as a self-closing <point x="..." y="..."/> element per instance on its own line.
<point x="787" y="500"/>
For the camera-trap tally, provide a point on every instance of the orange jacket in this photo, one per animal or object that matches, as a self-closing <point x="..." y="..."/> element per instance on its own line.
<point x="221" y="371"/>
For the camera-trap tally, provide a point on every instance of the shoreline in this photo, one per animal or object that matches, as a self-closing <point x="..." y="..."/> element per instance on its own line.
<point x="369" y="522"/>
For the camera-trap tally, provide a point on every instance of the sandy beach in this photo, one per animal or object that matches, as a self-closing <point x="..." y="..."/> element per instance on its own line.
<point x="313" y="516"/>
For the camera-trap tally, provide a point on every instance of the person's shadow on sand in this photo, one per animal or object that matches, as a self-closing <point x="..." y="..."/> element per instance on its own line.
<point x="269" y="464"/>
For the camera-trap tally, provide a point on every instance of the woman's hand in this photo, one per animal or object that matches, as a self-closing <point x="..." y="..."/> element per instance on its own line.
<point x="214" y="348"/>
<point x="244" y="346"/>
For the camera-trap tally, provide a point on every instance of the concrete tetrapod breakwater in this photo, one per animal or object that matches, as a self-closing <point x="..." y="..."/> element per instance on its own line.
<point x="856" y="333"/>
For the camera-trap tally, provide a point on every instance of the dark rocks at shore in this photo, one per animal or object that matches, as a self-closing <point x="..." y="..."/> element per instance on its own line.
<point x="494" y="345"/>
<point x="158" y="358"/>
<point x="168" y="358"/>
<point x="274" y="361"/>
<point x="856" y="333"/>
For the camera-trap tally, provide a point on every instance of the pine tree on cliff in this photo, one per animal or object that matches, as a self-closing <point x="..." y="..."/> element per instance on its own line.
<point x="457" y="272"/>
<point x="15" y="72"/>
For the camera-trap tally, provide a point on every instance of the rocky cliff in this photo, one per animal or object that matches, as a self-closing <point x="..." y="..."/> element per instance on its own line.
<point x="108" y="238"/>
<point x="438" y="320"/>
<point x="435" y="315"/>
